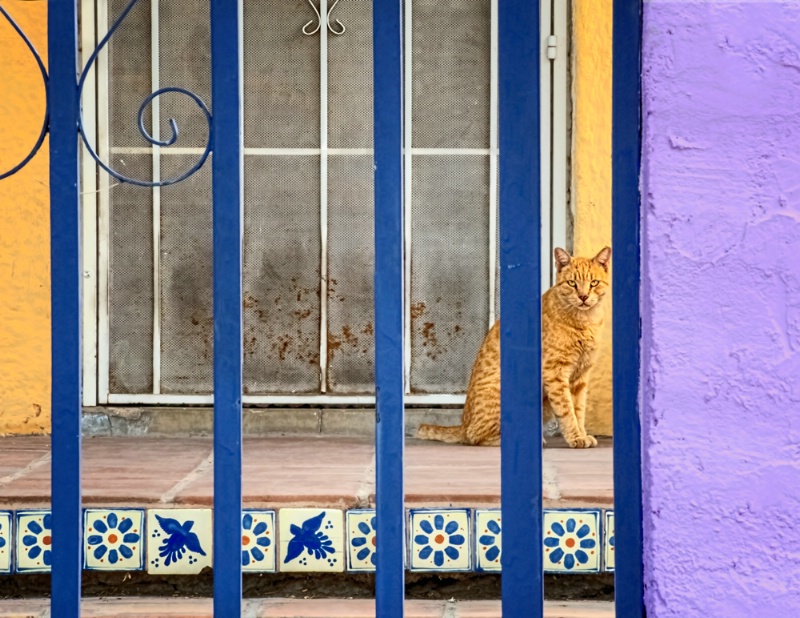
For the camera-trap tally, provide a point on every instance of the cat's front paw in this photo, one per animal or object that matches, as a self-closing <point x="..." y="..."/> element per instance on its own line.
<point x="584" y="441"/>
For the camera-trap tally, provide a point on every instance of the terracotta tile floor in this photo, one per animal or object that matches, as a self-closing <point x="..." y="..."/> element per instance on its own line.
<point x="294" y="471"/>
<point x="293" y="608"/>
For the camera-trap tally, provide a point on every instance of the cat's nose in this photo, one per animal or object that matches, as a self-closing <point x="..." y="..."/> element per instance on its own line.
<point x="583" y="297"/>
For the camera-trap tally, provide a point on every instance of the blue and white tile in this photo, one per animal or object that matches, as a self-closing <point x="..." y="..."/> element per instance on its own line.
<point x="178" y="541"/>
<point x="488" y="539"/>
<point x="34" y="541"/>
<point x="572" y="541"/>
<point x="6" y="538"/>
<point x="258" y="541"/>
<point x="440" y="540"/>
<point x="311" y="540"/>
<point x="113" y="539"/>
<point x="361" y="540"/>
<point x="608" y="541"/>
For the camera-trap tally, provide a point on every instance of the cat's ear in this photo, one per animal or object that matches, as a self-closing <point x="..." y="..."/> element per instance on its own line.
<point x="562" y="258"/>
<point x="603" y="257"/>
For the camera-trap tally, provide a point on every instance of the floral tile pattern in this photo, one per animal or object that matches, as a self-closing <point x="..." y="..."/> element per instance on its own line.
<point x="6" y="538"/>
<point x="572" y="541"/>
<point x="488" y="539"/>
<point x="608" y="541"/>
<point x="34" y="541"/>
<point x="311" y="540"/>
<point x="113" y="539"/>
<point x="440" y="540"/>
<point x="258" y="541"/>
<point x="361" y="540"/>
<point x="178" y="541"/>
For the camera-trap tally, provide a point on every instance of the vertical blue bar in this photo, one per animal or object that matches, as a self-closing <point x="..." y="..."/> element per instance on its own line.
<point x="520" y="291"/>
<point x="626" y="145"/>
<point x="65" y="289"/>
<point x="228" y="196"/>
<point x="388" y="101"/>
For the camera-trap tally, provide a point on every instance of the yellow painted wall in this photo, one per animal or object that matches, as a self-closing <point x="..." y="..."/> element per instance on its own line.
<point x="591" y="169"/>
<point x="24" y="230"/>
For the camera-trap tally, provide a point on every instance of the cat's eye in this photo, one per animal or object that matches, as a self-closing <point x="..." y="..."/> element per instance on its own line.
<point x="572" y="284"/>
<point x="595" y="283"/>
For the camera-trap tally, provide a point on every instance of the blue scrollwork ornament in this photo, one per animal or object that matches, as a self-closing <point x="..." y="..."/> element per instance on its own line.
<point x="172" y="139"/>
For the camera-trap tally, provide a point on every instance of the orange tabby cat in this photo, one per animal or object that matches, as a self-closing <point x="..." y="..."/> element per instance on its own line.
<point x="572" y="320"/>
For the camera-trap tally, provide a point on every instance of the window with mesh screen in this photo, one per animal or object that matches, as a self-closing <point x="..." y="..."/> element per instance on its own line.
<point x="308" y="229"/>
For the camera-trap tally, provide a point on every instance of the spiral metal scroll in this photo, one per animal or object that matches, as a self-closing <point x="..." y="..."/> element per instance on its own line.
<point x="172" y="139"/>
<point x="45" y="79"/>
<point x="331" y="28"/>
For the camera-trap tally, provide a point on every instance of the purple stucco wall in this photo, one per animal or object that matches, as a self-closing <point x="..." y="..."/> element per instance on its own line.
<point x="721" y="303"/>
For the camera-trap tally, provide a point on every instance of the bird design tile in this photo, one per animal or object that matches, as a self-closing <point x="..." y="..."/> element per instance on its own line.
<point x="311" y="540"/>
<point x="178" y="540"/>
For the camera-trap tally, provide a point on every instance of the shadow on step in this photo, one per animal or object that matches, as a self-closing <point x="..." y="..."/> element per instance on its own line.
<point x="461" y="586"/>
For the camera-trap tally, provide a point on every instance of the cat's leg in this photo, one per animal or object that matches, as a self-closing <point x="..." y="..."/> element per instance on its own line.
<point x="558" y="392"/>
<point x="579" y="390"/>
<point x="547" y="415"/>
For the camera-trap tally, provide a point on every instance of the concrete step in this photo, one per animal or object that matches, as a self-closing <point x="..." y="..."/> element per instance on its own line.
<point x="150" y="607"/>
<point x="295" y="470"/>
<point x="293" y="480"/>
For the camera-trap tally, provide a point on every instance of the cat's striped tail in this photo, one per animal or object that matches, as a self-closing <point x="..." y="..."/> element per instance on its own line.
<point x="454" y="435"/>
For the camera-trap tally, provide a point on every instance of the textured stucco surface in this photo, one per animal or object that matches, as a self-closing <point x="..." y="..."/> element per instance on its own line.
<point x="721" y="296"/>
<point x="591" y="171"/>
<point x="24" y="231"/>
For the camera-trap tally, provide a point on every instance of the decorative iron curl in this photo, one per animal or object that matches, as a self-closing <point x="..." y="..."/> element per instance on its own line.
<point x="331" y="27"/>
<point x="140" y="119"/>
<point x="46" y="80"/>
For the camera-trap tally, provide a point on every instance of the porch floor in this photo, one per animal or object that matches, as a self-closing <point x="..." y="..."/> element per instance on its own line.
<point x="294" y="470"/>
<point x="293" y="608"/>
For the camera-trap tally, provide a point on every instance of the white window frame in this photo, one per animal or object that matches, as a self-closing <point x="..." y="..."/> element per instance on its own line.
<point x="96" y="186"/>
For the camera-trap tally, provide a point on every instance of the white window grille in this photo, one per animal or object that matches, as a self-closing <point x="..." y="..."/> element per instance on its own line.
<point x="308" y="200"/>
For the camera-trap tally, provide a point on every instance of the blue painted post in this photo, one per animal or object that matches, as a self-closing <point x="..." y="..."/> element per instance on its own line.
<point x="65" y="242"/>
<point x="626" y="148"/>
<point x="388" y="137"/>
<point x="520" y="335"/>
<point x="228" y="196"/>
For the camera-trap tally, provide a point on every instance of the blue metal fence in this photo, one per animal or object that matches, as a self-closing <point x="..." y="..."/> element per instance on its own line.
<point x="228" y="203"/>
<point x="626" y="148"/>
<point x="519" y="51"/>
<point x="387" y="20"/>
<point x="65" y="268"/>
<point x="520" y="325"/>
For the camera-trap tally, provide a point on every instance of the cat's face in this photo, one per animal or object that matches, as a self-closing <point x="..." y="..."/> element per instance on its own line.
<point x="582" y="283"/>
